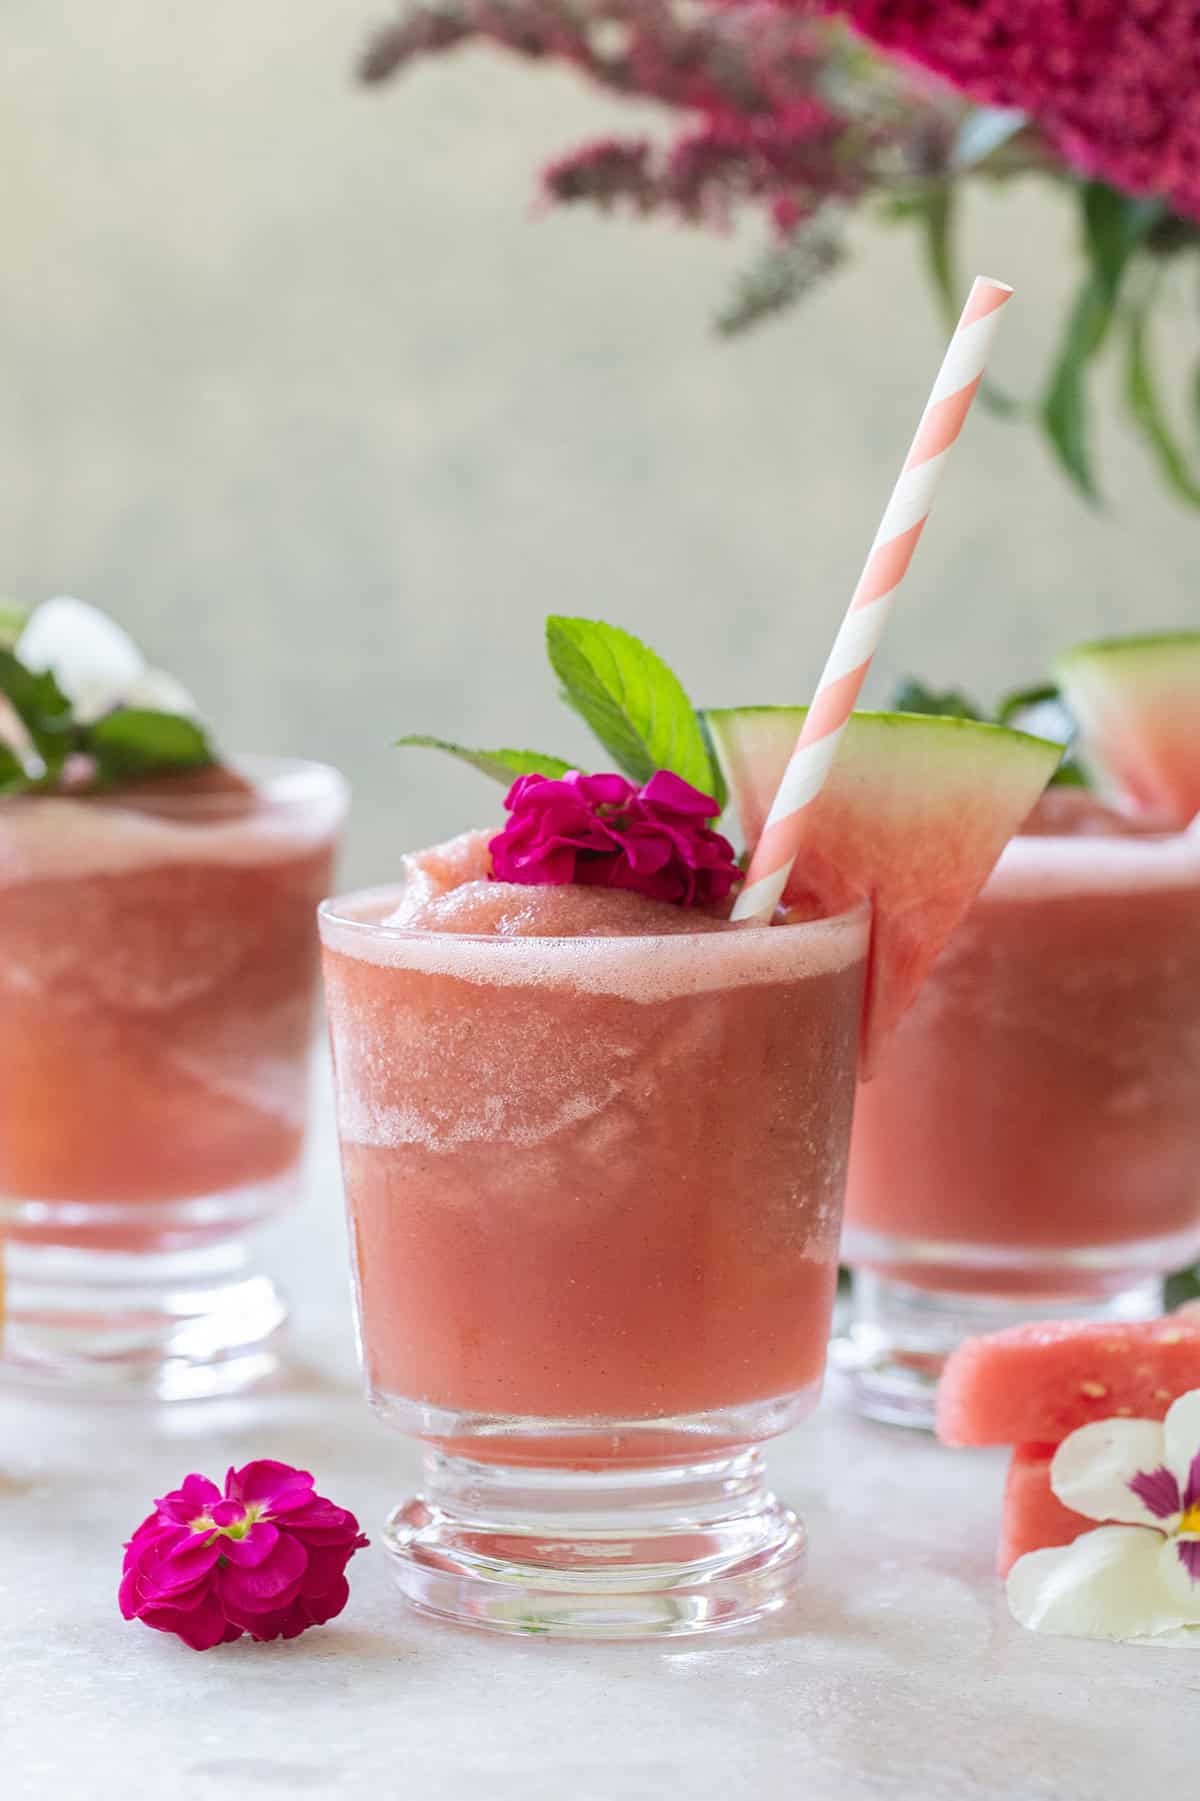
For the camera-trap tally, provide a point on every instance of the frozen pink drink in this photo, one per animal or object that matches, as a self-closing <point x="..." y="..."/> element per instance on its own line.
<point x="1033" y="1134"/>
<point x="594" y="1148"/>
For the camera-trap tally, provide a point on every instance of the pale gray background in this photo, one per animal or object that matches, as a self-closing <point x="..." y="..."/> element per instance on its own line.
<point x="298" y="387"/>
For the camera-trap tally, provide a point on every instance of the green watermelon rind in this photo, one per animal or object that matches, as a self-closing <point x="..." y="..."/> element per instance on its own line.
<point x="942" y="723"/>
<point x="1153" y="642"/>
<point x="904" y="818"/>
<point x="947" y="726"/>
<point x="1123" y="692"/>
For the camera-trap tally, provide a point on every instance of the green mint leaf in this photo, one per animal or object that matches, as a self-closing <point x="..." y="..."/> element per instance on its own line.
<point x="1185" y="1286"/>
<point x="634" y="704"/>
<point x="43" y="710"/>
<point x="13" y="776"/>
<point x="1040" y="710"/>
<point x="912" y="696"/>
<point x="503" y="766"/>
<point x="134" y="741"/>
<point x="1019" y="702"/>
<point x="1114" y="225"/>
<point x="12" y="623"/>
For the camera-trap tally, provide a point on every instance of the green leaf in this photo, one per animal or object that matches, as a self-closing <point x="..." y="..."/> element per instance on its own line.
<point x="12" y="623"/>
<point x="1021" y="699"/>
<point x="42" y="708"/>
<point x="13" y="775"/>
<point x="935" y="208"/>
<point x="1183" y="1286"/>
<point x="502" y="765"/>
<point x="134" y="741"/>
<point x="1113" y="227"/>
<point x="1020" y="711"/>
<point x="1147" y="410"/>
<point x="1064" y="405"/>
<point x="634" y="704"/>
<point x="912" y="696"/>
<point x="937" y="219"/>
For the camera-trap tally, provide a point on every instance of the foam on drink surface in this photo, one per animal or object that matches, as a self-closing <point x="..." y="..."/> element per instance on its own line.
<point x="57" y="837"/>
<point x="448" y="917"/>
<point x="1073" y="843"/>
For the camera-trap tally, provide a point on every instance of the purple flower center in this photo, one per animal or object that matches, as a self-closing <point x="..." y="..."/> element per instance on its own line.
<point x="1157" y="1490"/>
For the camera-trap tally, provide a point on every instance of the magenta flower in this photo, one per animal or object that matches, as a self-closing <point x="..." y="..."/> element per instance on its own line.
<point x="1114" y="84"/>
<point x="267" y="1557"/>
<point x="601" y="831"/>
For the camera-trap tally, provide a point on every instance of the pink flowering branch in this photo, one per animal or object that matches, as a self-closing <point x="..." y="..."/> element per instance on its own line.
<point x="780" y="110"/>
<point x="760" y="125"/>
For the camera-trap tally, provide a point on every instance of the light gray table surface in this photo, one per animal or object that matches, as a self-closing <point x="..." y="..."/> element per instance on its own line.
<point x="896" y="1673"/>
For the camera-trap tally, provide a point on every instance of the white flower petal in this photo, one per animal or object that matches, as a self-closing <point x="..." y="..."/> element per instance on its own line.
<point x="1092" y="1469"/>
<point x="1181" y="1434"/>
<point x="1180" y="1638"/>
<point x="161" y="693"/>
<point x="93" y="660"/>
<point x="1108" y="1584"/>
<point x="1181" y="1576"/>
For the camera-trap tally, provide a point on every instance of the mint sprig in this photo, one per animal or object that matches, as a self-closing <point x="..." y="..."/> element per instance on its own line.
<point x="633" y="702"/>
<point x="12" y="772"/>
<point x="137" y="741"/>
<point x="123" y="745"/>
<point x="12" y="623"/>
<point x="912" y="696"/>
<point x="44" y="711"/>
<point x="502" y="765"/>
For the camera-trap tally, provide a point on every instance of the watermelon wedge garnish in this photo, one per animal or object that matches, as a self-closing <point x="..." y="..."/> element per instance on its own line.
<point x="1035" y="1384"/>
<point x="1033" y="1518"/>
<point x="914" y="815"/>
<point x="1137" y="705"/>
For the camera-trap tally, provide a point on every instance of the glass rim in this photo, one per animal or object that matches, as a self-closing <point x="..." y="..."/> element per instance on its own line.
<point x="1165" y="835"/>
<point x="336" y="910"/>
<point x="278" y="782"/>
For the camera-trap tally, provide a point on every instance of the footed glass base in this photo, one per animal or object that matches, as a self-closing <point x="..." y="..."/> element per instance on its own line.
<point x="619" y="1553"/>
<point x="165" y="1325"/>
<point x="899" y="1336"/>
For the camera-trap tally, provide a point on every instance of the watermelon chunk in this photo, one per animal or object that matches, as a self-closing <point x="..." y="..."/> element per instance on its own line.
<point x="1035" y="1384"/>
<point x="1137" y="704"/>
<point x="914" y="814"/>
<point x="1034" y="1518"/>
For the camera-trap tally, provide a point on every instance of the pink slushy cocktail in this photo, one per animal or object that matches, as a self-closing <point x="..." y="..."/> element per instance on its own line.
<point x="1033" y="1135"/>
<point x="157" y="964"/>
<point x="594" y="1149"/>
<point x="157" y="960"/>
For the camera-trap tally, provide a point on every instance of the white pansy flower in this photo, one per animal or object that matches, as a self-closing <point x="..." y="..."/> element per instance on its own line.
<point x="96" y="664"/>
<point x="1137" y="1579"/>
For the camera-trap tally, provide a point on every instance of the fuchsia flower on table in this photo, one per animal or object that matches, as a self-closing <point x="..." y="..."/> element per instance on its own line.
<point x="1138" y="1578"/>
<point x="268" y="1557"/>
<point x="603" y="831"/>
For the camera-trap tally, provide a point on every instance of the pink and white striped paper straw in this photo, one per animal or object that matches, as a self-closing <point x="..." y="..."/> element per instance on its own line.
<point x="861" y="629"/>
